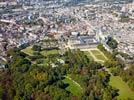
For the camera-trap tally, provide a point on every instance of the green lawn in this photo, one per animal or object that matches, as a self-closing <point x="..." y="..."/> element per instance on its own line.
<point x="48" y="52"/>
<point x="124" y="90"/>
<point x="97" y="52"/>
<point x="45" y="62"/>
<point x="98" y="55"/>
<point x="73" y="87"/>
<point x="28" y="50"/>
<point x="88" y="55"/>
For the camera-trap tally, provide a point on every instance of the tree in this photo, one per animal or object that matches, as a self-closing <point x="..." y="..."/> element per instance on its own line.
<point x="107" y="95"/>
<point x="91" y="96"/>
<point x="24" y="68"/>
<point x="36" y="48"/>
<point x="32" y="81"/>
<point x="112" y="43"/>
<point x="61" y="85"/>
<point x="109" y="64"/>
<point x="128" y="76"/>
<point x="28" y="88"/>
<point x="1" y="93"/>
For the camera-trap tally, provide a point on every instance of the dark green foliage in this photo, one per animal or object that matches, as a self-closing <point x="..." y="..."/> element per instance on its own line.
<point x="1" y="92"/>
<point x="112" y="60"/>
<point x="32" y="81"/>
<point x="124" y="18"/>
<point x="36" y="48"/>
<point x="107" y="54"/>
<point x="23" y="68"/>
<point x="36" y="55"/>
<point x="128" y="76"/>
<point x="112" y="43"/>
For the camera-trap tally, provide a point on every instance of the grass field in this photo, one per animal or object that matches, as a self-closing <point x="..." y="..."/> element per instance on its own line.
<point x="96" y="52"/>
<point x="45" y="61"/>
<point x="48" y="52"/>
<point x="95" y="55"/>
<point x="98" y="55"/>
<point x="88" y="55"/>
<point x="28" y="50"/>
<point x="124" y="90"/>
<point x="73" y="87"/>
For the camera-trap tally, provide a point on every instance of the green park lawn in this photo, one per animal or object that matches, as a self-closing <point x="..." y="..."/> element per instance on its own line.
<point x="28" y="50"/>
<point x="49" y="52"/>
<point x="96" y="52"/>
<point x="88" y="55"/>
<point x="45" y="53"/>
<point x="98" y="55"/>
<point x="124" y="91"/>
<point x="73" y="87"/>
<point x="45" y="62"/>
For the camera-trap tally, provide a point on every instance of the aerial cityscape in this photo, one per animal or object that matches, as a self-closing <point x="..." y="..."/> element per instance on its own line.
<point x="66" y="50"/>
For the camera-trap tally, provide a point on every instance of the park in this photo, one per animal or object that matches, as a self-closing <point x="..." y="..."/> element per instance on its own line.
<point x="115" y="81"/>
<point x="74" y="87"/>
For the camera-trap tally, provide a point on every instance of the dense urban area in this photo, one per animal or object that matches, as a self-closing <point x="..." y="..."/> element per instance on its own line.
<point x="66" y="50"/>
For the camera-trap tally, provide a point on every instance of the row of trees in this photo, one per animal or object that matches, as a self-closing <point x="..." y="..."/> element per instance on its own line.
<point x="113" y="62"/>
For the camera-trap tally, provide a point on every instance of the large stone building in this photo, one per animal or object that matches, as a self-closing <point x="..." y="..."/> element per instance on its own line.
<point x="82" y="42"/>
